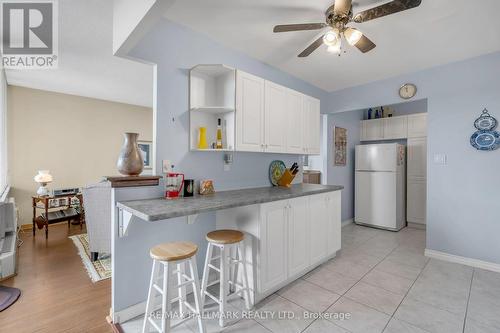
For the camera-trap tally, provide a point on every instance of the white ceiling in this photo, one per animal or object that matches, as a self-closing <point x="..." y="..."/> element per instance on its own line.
<point x="87" y="66"/>
<point x="437" y="32"/>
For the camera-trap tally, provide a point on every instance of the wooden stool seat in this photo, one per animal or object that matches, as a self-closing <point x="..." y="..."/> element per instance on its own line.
<point x="225" y="236"/>
<point x="173" y="251"/>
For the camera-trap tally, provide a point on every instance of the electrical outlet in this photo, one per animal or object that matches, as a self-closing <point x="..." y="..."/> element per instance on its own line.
<point x="166" y="166"/>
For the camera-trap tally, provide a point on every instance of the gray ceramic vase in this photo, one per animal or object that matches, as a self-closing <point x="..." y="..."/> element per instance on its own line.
<point x="130" y="162"/>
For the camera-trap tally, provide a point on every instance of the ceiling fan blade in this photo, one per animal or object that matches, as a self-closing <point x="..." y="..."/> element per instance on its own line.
<point x="299" y="27"/>
<point x="342" y="7"/>
<point x="389" y="8"/>
<point x="311" y="48"/>
<point x="365" y="44"/>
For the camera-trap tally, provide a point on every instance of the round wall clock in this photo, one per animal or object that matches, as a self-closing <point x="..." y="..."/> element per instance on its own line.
<point x="407" y="91"/>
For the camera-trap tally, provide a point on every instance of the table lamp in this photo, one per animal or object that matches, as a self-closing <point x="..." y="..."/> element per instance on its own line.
<point x="43" y="178"/>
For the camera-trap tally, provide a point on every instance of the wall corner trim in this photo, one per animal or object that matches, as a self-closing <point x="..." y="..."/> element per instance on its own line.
<point x="490" y="266"/>
<point x="347" y="222"/>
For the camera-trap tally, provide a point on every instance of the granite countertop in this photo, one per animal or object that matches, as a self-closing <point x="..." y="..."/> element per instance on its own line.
<point x="161" y="209"/>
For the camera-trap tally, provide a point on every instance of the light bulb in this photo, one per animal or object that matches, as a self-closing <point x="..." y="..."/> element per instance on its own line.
<point x="331" y="37"/>
<point x="335" y="48"/>
<point x="352" y="36"/>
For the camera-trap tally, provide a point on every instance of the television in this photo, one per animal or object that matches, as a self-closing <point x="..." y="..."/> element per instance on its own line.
<point x="7" y="217"/>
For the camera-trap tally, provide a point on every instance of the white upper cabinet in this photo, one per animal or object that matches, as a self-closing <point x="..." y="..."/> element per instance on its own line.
<point x="249" y="112"/>
<point x="401" y="127"/>
<point x="274" y="120"/>
<point x="417" y="125"/>
<point x="256" y="115"/>
<point x="372" y="130"/>
<point x="311" y="125"/>
<point x="293" y="120"/>
<point x="395" y="128"/>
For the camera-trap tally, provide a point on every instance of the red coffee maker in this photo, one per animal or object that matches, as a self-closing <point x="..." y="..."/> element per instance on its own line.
<point x="173" y="183"/>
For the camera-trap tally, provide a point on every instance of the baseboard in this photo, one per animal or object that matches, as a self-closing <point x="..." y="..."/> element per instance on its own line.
<point x="463" y="260"/>
<point x="347" y="222"/>
<point x="116" y="328"/>
<point x="26" y="227"/>
<point x="414" y="225"/>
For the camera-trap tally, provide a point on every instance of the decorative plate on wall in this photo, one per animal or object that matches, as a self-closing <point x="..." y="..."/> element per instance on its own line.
<point x="276" y="170"/>
<point x="485" y="122"/>
<point x="485" y="140"/>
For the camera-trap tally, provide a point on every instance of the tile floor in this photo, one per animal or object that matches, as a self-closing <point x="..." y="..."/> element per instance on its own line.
<point x="385" y="283"/>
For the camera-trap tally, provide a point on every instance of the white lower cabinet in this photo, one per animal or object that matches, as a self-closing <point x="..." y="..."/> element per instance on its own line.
<point x="416" y="209"/>
<point x="298" y="236"/>
<point x="334" y="217"/>
<point x="273" y="244"/>
<point x="285" y="239"/>
<point x="318" y="222"/>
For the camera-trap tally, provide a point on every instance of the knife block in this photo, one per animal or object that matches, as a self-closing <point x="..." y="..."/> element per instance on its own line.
<point x="286" y="179"/>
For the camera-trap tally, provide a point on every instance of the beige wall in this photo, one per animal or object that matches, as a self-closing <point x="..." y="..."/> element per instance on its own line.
<point x="77" y="138"/>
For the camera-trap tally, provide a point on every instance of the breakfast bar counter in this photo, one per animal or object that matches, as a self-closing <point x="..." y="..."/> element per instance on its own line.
<point x="161" y="209"/>
<point x="288" y="232"/>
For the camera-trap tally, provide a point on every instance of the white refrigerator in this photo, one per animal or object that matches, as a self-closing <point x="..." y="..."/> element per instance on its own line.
<point x="380" y="186"/>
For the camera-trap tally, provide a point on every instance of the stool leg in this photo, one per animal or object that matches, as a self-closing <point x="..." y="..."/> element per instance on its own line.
<point x="224" y="285"/>
<point x="182" y="289"/>
<point x="165" y="301"/>
<point x="233" y="268"/>
<point x="243" y="262"/>
<point x="196" y="291"/>
<point x="149" y="303"/>
<point x="204" y="281"/>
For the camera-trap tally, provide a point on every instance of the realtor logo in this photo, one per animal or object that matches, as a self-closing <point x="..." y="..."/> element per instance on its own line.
<point x="29" y="34"/>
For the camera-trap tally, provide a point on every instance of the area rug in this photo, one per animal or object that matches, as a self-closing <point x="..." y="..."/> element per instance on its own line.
<point x="8" y="296"/>
<point x="97" y="270"/>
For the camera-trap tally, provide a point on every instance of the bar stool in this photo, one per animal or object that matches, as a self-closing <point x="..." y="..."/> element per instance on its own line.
<point x="226" y="241"/>
<point x="170" y="256"/>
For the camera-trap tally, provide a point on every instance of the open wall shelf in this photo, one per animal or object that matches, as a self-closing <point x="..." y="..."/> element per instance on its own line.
<point x="212" y="96"/>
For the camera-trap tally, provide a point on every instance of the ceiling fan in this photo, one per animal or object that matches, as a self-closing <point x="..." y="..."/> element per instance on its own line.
<point x="338" y="16"/>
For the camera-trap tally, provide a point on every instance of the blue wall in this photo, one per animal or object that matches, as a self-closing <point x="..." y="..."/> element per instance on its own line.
<point x="175" y="49"/>
<point x="462" y="197"/>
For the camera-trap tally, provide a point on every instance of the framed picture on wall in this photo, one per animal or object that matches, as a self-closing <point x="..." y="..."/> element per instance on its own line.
<point x="340" y="146"/>
<point x="146" y="148"/>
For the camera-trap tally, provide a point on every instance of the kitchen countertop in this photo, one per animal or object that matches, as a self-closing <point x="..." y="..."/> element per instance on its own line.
<point x="161" y="209"/>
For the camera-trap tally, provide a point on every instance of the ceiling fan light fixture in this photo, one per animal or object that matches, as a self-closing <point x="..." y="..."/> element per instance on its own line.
<point x="335" y="48"/>
<point x="331" y="37"/>
<point x="352" y="36"/>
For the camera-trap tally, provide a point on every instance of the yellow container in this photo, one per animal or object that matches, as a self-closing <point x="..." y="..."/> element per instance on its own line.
<point x="287" y="179"/>
<point x="202" y="138"/>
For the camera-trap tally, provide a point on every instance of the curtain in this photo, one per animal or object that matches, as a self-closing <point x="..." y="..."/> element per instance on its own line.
<point x="3" y="132"/>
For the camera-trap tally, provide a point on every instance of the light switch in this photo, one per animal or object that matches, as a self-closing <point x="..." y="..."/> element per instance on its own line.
<point x="440" y="159"/>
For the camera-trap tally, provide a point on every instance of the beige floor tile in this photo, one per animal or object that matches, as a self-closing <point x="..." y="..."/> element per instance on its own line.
<point x="375" y="297"/>
<point x="246" y="326"/>
<point x="399" y="269"/>
<point x="398" y="326"/>
<point x="280" y="307"/>
<point x="387" y="281"/>
<point x="473" y="326"/>
<point x="428" y="317"/>
<point x="309" y="296"/>
<point x="363" y="319"/>
<point x="332" y="281"/>
<point x="347" y="267"/>
<point x="408" y="257"/>
<point x="324" y="326"/>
